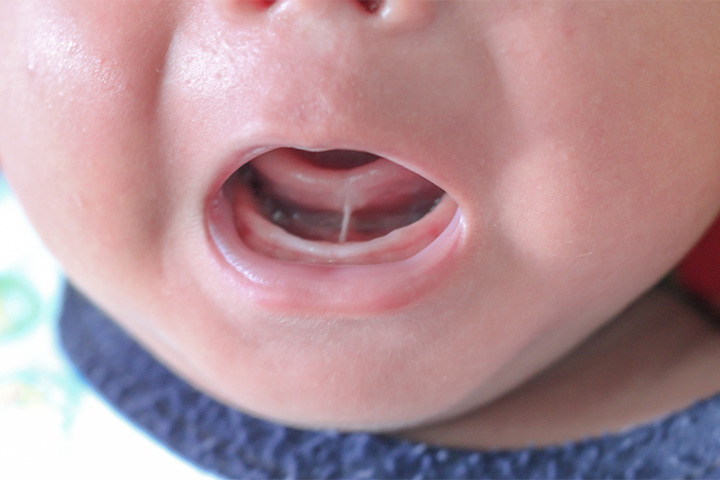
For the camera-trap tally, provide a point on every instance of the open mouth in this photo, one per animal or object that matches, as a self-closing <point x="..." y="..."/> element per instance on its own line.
<point x="338" y="207"/>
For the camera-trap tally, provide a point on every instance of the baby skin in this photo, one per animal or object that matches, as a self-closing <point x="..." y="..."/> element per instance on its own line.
<point x="436" y="219"/>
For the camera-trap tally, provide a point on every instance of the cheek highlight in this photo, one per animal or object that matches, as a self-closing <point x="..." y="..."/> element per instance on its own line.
<point x="61" y="66"/>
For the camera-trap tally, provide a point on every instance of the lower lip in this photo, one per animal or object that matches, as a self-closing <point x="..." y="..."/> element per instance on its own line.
<point x="299" y="288"/>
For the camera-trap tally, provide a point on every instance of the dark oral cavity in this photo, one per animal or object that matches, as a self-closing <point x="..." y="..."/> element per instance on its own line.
<point x="337" y="159"/>
<point x="331" y="202"/>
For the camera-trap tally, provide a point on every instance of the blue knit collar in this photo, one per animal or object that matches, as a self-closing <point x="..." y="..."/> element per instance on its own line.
<point x="232" y="444"/>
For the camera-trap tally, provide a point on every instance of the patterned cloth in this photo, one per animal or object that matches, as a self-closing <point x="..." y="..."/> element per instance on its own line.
<point x="52" y="424"/>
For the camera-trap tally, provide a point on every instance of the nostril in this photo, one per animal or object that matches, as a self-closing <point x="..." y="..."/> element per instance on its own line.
<point x="371" y="6"/>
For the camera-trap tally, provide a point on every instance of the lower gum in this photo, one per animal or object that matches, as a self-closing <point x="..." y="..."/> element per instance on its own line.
<point x="271" y="241"/>
<point x="347" y="225"/>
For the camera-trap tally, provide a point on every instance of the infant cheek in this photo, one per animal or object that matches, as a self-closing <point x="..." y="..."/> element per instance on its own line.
<point x="86" y="185"/>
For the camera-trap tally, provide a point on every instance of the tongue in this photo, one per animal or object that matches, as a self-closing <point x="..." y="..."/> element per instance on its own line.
<point x="299" y="178"/>
<point x="337" y="196"/>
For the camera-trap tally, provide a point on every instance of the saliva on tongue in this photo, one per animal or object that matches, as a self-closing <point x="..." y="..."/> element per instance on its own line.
<point x="338" y="196"/>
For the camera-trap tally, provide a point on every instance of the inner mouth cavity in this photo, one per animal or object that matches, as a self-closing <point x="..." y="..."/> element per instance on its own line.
<point x="334" y="207"/>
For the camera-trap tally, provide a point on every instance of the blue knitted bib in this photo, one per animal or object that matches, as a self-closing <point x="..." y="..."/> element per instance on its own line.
<point x="232" y="444"/>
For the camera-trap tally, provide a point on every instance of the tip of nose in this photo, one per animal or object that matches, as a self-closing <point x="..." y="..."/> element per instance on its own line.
<point x="247" y="6"/>
<point x="232" y="8"/>
<point x="395" y="14"/>
<point x="370" y="6"/>
<point x="407" y="14"/>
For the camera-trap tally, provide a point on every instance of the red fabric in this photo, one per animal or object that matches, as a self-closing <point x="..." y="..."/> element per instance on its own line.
<point x="700" y="269"/>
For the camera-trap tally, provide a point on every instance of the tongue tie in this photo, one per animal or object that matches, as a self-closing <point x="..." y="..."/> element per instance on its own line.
<point x="347" y="213"/>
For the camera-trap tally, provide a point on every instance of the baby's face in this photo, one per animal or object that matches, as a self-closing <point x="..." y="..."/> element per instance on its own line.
<point x="575" y="146"/>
